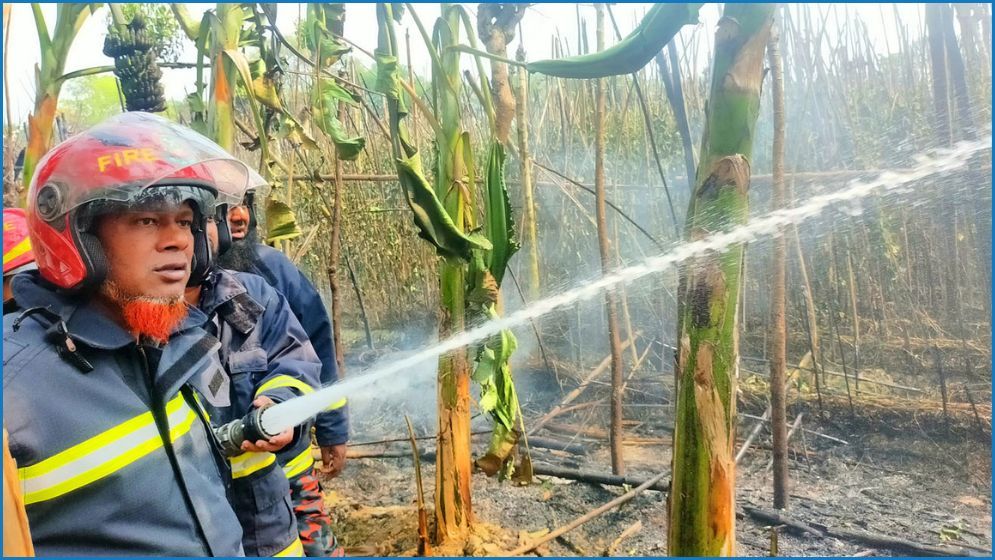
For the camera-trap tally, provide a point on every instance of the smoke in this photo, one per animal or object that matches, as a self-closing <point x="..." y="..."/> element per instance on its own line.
<point x="295" y="411"/>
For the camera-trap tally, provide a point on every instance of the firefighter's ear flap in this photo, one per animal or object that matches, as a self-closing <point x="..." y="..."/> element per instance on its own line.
<point x="200" y="265"/>
<point x="94" y="259"/>
<point x="224" y="231"/>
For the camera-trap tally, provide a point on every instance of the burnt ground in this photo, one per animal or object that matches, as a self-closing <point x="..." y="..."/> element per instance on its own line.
<point x="917" y="481"/>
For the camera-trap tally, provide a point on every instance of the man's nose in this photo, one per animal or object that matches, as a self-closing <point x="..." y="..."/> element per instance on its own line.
<point x="174" y="236"/>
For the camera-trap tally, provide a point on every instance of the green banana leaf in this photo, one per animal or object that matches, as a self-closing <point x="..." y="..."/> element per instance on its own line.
<point x="322" y="19"/>
<point x="497" y="394"/>
<point x="499" y="223"/>
<point x="657" y="28"/>
<point x="434" y="223"/>
<point x="292" y="130"/>
<point x="325" y="116"/>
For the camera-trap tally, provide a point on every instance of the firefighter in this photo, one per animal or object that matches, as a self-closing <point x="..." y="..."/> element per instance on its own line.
<point x="17" y="254"/>
<point x="100" y="368"/>
<point x="269" y="358"/>
<point x="331" y="427"/>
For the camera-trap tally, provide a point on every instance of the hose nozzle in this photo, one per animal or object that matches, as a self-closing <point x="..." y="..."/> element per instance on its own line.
<point x="249" y="428"/>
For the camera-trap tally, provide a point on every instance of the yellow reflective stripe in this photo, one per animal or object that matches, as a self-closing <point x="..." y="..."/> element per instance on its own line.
<point x="295" y="549"/>
<point x="17" y="250"/>
<point x="299" y="464"/>
<point x="103" y="454"/>
<point x="200" y="405"/>
<point x="337" y="404"/>
<point x="247" y="463"/>
<point x="101" y="440"/>
<point x="285" y="381"/>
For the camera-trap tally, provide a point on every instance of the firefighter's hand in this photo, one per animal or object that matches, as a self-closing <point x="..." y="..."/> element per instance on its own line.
<point x="332" y="459"/>
<point x="274" y="443"/>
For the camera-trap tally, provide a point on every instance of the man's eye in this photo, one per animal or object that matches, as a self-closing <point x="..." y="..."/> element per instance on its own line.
<point x="147" y="221"/>
<point x="185" y="223"/>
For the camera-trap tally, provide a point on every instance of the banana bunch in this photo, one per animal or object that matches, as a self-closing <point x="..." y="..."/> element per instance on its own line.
<point x="133" y="51"/>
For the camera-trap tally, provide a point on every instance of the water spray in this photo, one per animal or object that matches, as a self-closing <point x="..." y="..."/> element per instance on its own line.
<point x="298" y="410"/>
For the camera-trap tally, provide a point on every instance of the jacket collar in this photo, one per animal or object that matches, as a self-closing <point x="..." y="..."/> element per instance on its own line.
<point x="225" y="296"/>
<point x="85" y="321"/>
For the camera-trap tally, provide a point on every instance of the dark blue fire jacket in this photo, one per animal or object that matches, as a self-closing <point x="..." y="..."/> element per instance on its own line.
<point x="331" y="427"/>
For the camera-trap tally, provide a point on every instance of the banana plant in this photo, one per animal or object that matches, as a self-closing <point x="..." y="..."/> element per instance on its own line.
<point x="322" y="39"/>
<point x="69" y="19"/>
<point x="231" y="37"/>
<point x="444" y="215"/>
<point x="657" y="27"/>
<point x="702" y="508"/>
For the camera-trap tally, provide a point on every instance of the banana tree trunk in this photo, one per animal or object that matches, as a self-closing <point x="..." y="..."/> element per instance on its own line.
<point x="453" y="510"/>
<point x="220" y="109"/>
<point x="702" y="509"/>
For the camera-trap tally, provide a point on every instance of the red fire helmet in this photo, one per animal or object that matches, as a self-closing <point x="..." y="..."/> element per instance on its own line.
<point x="17" y="254"/>
<point x="117" y="164"/>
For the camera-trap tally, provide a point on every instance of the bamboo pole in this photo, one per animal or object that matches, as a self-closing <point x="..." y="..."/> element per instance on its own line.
<point x="607" y="262"/>
<point x="778" y="331"/>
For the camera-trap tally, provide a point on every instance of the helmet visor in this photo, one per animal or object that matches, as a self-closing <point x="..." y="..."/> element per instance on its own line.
<point x="118" y="159"/>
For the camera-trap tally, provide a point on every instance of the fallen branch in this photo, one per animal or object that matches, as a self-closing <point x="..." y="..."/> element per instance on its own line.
<point x="594" y="478"/>
<point x="587" y="516"/>
<point x="902" y="545"/>
<point x="559" y="445"/>
<point x="601" y="368"/>
<point x="402" y="439"/>
<point x="631" y="530"/>
<point x="876" y="540"/>
<point x="753" y="434"/>
<point x="820" y="434"/>
<point x="777" y="518"/>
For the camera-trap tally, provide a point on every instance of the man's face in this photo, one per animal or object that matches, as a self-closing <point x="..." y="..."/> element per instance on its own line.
<point x="238" y="221"/>
<point x="148" y="251"/>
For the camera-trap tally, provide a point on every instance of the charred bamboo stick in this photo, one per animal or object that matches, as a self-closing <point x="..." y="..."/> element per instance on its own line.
<point x="588" y="516"/>
<point x="901" y="545"/>
<point x="779" y="518"/>
<point x="424" y="546"/>
<point x="544" y="469"/>
<point x="558" y="445"/>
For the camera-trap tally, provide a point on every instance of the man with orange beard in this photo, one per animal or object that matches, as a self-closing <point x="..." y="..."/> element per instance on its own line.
<point x="115" y="454"/>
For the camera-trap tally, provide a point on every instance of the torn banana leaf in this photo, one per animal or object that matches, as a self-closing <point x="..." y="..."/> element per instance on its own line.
<point x="434" y="223"/>
<point x="502" y="444"/>
<point x="325" y="113"/>
<point x="280" y="221"/>
<point x="659" y="25"/>
<point x="497" y="391"/>
<point x="499" y="223"/>
<point x="290" y="129"/>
